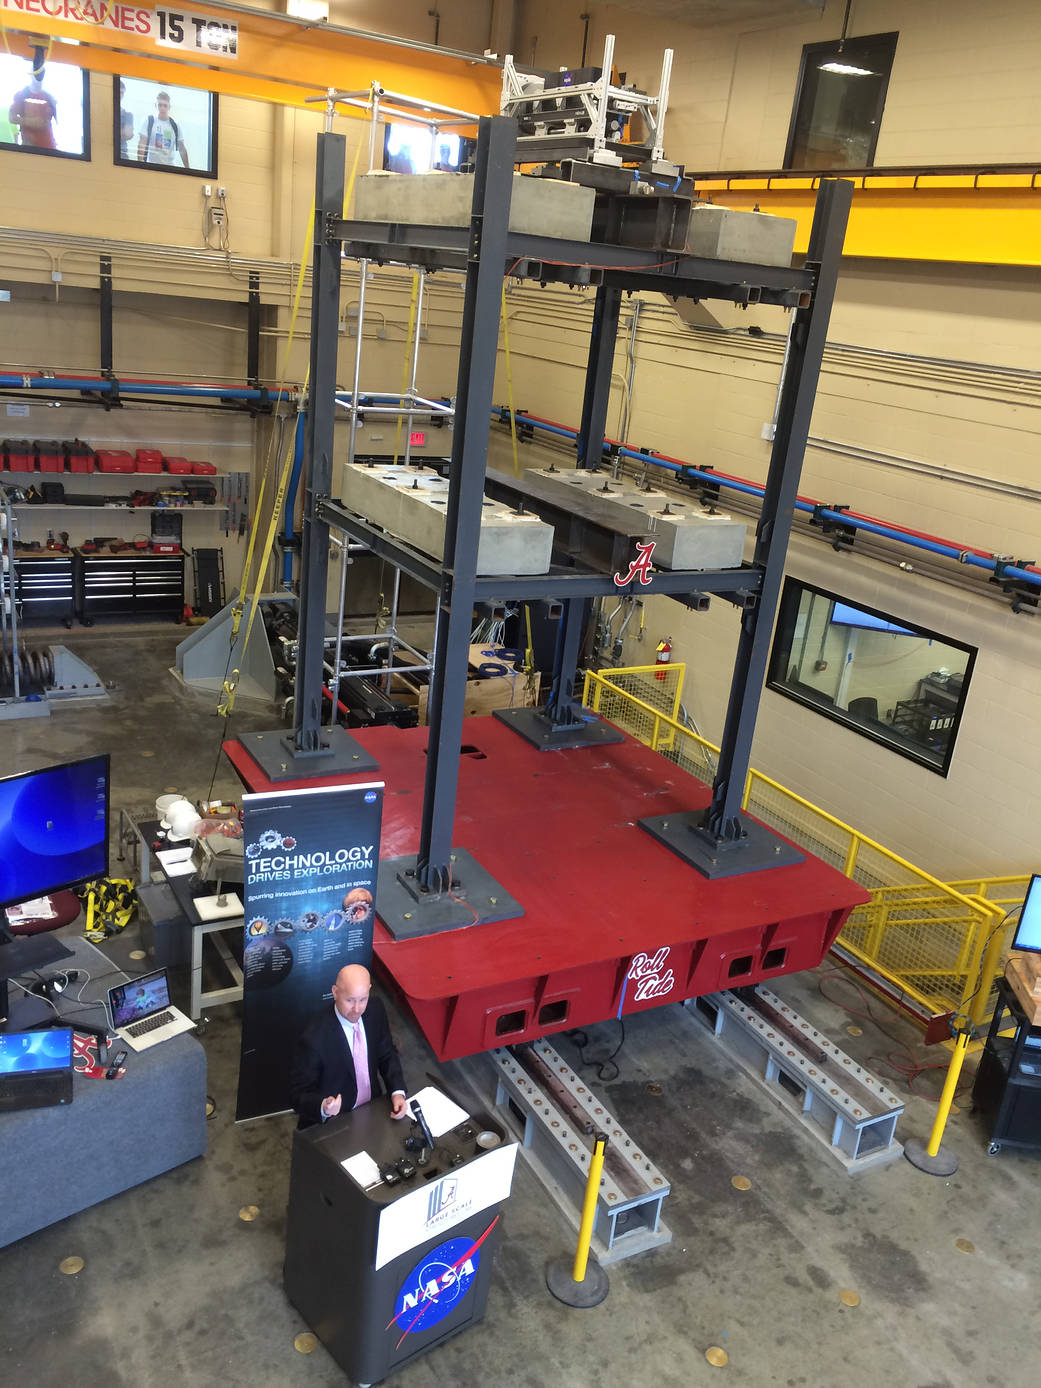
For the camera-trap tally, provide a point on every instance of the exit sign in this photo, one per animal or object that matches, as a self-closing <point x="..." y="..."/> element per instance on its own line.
<point x="416" y="439"/>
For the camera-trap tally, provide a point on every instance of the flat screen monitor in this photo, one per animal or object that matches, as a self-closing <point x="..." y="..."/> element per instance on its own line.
<point x="53" y="828"/>
<point x="22" y="1051"/>
<point x="844" y="615"/>
<point x="44" y="107"/>
<point x="411" y="149"/>
<point x="1028" y="931"/>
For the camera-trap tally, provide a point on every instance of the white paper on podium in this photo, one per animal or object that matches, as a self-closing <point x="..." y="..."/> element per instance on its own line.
<point x="439" y="1110"/>
<point x="363" y="1169"/>
<point x="177" y="862"/>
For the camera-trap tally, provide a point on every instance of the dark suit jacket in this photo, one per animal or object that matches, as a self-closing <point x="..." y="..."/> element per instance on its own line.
<point x="323" y="1064"/>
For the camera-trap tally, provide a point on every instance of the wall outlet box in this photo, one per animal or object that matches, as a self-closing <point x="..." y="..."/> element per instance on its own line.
<point x="5" y="296"/>
<point x="56" y="276"/>
<point x="767" y="432"/>
<point x="207" y="190"/>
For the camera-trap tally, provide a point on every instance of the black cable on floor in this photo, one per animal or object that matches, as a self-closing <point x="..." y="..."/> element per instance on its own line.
<point x="606" y="1069"/>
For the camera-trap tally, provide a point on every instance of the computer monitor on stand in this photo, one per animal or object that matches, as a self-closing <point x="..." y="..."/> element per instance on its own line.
<point x="53" y="835"/>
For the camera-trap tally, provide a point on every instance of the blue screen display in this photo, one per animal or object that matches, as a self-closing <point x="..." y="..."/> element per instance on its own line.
<point x="844" y="615"/>
<point x="1028" y="932"/>
<point x="53" y="829"/>
<point x="35" y="1050"/>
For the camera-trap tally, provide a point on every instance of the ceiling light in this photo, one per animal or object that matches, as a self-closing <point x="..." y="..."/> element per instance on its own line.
<point x="846" y="69"/>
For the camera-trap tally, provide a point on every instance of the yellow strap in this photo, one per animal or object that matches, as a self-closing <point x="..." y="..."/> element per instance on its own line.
<point x="247" y="565"/>
<point x="509" y="391"/>
<point x="408" y="354"/>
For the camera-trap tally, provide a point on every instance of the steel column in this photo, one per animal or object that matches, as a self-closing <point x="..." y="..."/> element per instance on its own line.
<point x="561" y="707"/>
<point x="105" y="314"/>
<point x="253" y="330"/>
<point x="598" y="376"/>
<point x="486" y="255"/>
<point x="318" y="450"/>
<point x="808" y="337"/>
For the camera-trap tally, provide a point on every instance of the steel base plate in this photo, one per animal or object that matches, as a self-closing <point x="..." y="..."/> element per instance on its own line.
<point x="406" y="912"/>
<point x="275" y="755"/>
<point x="536" y="728"/>
<point x="591" y="1291"/>
<point x="945" y="1163"/>
<point x="757" y="850"/>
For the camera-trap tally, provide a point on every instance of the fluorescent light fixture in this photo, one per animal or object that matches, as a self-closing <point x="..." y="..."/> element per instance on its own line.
<point x="75" y="42"/>
<point x="317" y="11"/>
<point x="846" y="69"/>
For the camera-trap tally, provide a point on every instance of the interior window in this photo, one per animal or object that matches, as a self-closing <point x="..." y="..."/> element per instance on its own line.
<point x="839" y="102"/>
<point x="884" y="677"/>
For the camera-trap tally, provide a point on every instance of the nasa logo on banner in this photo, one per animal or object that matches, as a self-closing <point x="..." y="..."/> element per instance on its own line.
<point x="437" y="1284"/>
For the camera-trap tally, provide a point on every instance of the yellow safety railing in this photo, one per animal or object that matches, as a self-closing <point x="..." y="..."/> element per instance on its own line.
<point x="939" y="946"/>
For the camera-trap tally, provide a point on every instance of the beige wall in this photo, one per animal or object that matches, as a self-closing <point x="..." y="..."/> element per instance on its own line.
<point x="928" y="409"/>
<point x="964" y="85"/>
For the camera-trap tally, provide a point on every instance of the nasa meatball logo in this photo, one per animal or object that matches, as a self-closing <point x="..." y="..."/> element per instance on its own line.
<point x="436" y="1286"/>
<point x="370" y="797"/>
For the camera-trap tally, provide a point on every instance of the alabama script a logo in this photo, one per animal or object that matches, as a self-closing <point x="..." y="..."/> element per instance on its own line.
<point x="640" y="567"/>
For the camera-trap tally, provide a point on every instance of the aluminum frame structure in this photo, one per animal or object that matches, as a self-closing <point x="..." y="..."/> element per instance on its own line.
<point x="586" y="103"/>
<point x="721" y="841"/>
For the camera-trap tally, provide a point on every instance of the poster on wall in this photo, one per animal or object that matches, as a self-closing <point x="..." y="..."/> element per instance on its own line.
<point x="311" y="860"/>
<point x="44" y="106"/>
<point x="159" y="126"/>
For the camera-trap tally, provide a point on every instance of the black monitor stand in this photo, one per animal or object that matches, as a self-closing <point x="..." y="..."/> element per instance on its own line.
<point x="22" y="954"/>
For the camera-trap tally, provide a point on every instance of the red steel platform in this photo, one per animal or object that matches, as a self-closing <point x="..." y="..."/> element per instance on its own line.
<point x="613" y="921"/>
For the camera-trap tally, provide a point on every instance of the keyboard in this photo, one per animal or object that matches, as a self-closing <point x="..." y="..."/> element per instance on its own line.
<point x="150" y="1023"/>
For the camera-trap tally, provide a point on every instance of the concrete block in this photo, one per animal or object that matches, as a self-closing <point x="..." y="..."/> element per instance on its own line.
<point x="413" y="505"/>
<point x="539" y="207"/>
<point x="756" y="238"/>
<point x="686" y="535"/>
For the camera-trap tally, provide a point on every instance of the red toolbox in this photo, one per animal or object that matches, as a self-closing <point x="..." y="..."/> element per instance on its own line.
<point x="79" y="455"/>
<point x="20" y="454"/>
<point x="112" y="460"/>
<point x="204" y="469"/>
<point x="149" y="460"/>
<point x="180" y="466"/>
<point x="50" y="455"/>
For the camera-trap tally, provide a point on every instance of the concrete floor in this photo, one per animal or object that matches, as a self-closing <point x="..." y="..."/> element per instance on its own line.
<point x="176" y="1288"/>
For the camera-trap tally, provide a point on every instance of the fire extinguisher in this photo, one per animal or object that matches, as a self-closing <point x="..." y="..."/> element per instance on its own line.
<point x="662" y="656"/>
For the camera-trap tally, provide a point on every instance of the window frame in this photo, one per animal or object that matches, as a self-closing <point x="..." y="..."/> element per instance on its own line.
<point x="816" y="50"/>
<point x="780" y="661"/>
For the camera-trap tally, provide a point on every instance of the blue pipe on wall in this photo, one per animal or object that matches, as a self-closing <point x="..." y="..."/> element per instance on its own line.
<point x="106" y="387"/>
<point x="290" y="505"/>
<point x="978" y="561"/>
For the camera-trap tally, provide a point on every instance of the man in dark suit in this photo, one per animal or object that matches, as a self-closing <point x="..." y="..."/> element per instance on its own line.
<point x="341" y="1058"/>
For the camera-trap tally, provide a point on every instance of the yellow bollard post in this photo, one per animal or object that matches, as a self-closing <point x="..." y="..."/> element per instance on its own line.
<point x="934" y="1159"/>
<point x="579" y="1282"/>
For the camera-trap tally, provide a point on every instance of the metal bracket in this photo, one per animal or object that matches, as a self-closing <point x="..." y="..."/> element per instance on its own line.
<point x="1024" y="597"/>
<point x="843" y="536"/>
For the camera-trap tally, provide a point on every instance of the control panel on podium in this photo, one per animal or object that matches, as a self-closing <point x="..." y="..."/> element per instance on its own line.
<point x="392" y="1228"/>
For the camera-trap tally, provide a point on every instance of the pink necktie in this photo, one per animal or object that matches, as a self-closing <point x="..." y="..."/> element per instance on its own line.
<point x="361" y="1067"/>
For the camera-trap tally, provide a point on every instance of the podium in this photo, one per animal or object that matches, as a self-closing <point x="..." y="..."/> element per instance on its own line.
<point x="382" y="1273"/>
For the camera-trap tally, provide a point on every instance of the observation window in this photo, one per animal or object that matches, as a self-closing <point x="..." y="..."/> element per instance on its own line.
<point x="839" y="102"/>
<point x="885" y="678"/>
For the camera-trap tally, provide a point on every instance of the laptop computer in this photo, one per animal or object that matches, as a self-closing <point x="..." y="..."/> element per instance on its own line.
<point x="142" y="1013"/>
<point x="35" y="1069"/>
<point x="1028" y="932"/>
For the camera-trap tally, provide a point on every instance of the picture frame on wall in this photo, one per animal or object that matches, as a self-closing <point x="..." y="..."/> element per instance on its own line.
<point x="158" y="126"/>
<point x="44" y="106"/>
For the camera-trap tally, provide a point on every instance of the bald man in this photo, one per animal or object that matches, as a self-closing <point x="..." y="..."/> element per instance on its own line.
<point x="344" y="1053"/>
